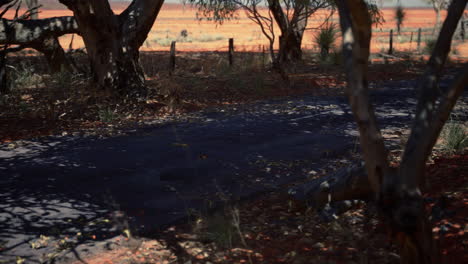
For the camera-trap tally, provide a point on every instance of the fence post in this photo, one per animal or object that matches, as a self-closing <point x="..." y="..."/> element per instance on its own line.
<point x="263" y="57"/>
<point x="419" y="39"/>
<point x="231" y="51"/>
<point x="172" y="59"/>
<point x="390" y="49"/>
<point x="411" y="40"/>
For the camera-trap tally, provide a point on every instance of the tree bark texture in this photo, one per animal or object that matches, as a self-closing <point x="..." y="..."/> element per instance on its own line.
<point x="42" y="35"/>
<point x="399" y="193"/>
<point x="113" y="41"/>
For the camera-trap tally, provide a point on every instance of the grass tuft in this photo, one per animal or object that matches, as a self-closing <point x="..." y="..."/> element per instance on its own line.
<point x="455" y="137"/>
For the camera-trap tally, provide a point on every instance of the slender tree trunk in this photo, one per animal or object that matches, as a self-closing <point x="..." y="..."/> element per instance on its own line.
<point x="4" y="86"/>
<point x="437" y="24"/>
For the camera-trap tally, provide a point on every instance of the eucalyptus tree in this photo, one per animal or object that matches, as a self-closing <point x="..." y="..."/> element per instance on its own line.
<point x="400" y="15"/>
<point x="438" y="6"/>
<point x="399" y="191"/>
<point x="290" y="16"/>
<point x="113" y="40"/>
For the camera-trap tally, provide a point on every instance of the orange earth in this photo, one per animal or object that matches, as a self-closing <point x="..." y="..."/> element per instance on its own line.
<point x="209" y="36"/>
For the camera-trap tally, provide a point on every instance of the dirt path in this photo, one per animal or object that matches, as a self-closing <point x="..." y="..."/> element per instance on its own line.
<point x="82" y="191"/>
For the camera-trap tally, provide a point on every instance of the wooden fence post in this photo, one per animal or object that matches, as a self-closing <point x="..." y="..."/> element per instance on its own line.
<point x="419" y="39"/>
<point x="231" y="51"/>
<point x="263" y="57"/>
<point x="390" y="49"/>
<point x="411" y="40"/>
<point x="172" y="59"/>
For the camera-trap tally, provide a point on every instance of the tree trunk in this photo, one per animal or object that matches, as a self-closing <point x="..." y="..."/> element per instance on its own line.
<point x="290" y="46"/>
<point x="290" y="40"/>
<point x="114" y="65"/>
<point x="4" y="86"/>
<point x="113" y="41"/>
<point x="400" y="198"/>
<point x="436" y="27"/>
<point x="55" y="55"/>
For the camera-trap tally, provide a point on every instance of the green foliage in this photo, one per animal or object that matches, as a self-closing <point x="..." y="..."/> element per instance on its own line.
<point x="219" y="229"/>
<point x="376" y="14"/>
<point x="215" y="10"/>
<point x="455" y="137"/>
<point x="24" y="76"/>
<point x="326" y="39"/>
<point x="107" y="115"/>
<point x="400" y="15"/>
<point x="183" y="33"/>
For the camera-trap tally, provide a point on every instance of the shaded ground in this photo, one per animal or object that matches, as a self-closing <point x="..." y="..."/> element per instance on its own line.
<point x="40" y="104"/>
<point x="277" y="229"/>
<point x="77" y="191"/>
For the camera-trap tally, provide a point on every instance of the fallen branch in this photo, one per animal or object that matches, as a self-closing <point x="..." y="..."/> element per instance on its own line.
<point x="349" y="183"/>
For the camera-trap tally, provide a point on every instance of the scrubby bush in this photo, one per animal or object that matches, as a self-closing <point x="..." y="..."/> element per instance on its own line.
<point x="326" y="38"/>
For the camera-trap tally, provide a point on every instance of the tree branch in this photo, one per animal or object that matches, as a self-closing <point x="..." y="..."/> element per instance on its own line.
<point x="429" y="117"/>
<point x="22" y="32"/>
<point x="138" y="19"/>
<point x="356" y="27"/>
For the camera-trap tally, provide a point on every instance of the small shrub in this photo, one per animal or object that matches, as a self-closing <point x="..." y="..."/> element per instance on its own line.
<point x="219" y="229"/>
<point x="400" y="15"/>
<point x="184" y="33"/>
<point x="455" y="137"/>
<point x="165" y="42"/>
<point x="24" y="76"/>
<point x="430" y="45"/>
<point x="336" y="57"/>
<point x="326" y="38"/>
<point x="106" y="115"/>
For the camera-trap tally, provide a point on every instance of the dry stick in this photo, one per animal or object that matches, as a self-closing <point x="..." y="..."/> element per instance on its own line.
<point x="172" y="59"/>
<point x="231" y="51"/>
<point x="390" y="49"/>
<point x="419" y="39"/>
